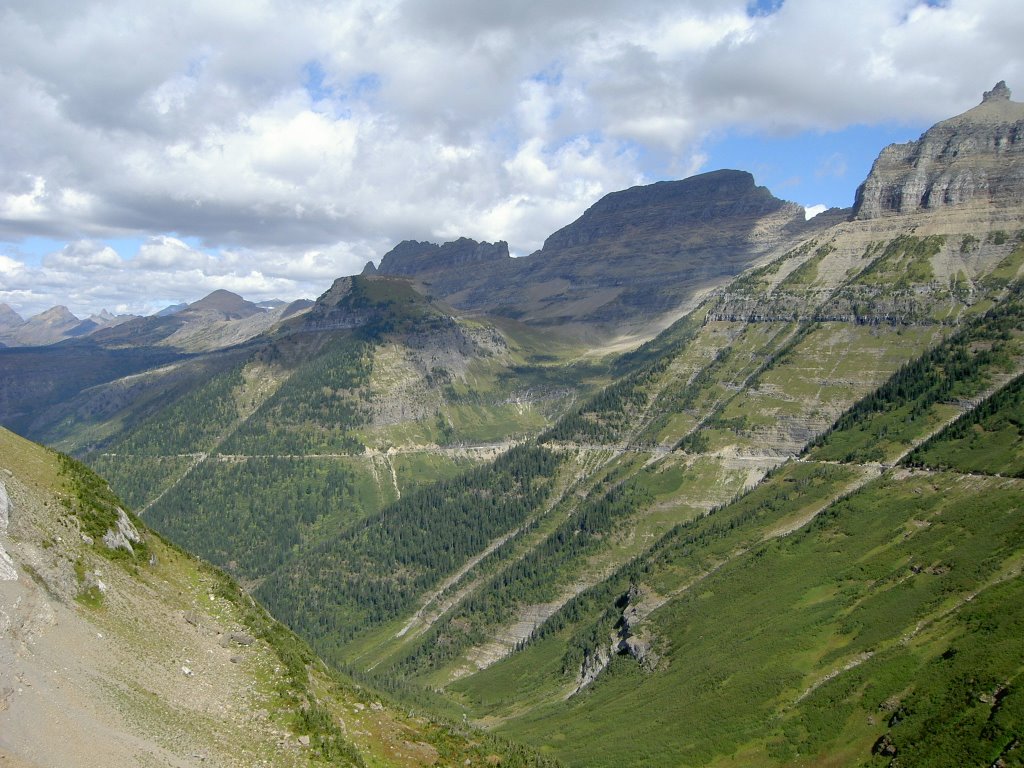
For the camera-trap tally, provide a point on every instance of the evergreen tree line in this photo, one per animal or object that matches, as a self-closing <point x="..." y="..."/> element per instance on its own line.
<point x="315" y="410"/>
<point x="250" y="514"/>
<point x="376" y="570"/>
<point x="193" y="423"/>
<point x="531" y="579"/>
<point x="997" y="422"/>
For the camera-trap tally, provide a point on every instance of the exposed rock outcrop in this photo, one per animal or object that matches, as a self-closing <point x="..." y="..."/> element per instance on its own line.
<point x="627" y="640"/>
<point x="123" y="535"/>
<point x="976" y="157"/>
<point x="594" y="662"/>
<point x="7" y="570"/>
<point x="631" y="641"/>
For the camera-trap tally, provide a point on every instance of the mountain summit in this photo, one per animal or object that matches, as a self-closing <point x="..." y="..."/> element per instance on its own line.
<point x="230" y="305"/>
<point x="411" y="257"/>
<point x="973" y="158"/>
<point x="632" y="257"/>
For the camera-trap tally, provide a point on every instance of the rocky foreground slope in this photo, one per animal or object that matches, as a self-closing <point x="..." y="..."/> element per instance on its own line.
<point x="119" y="649"/>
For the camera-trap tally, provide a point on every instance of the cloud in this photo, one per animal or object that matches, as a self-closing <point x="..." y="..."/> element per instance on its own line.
<point x="316" y="135"/>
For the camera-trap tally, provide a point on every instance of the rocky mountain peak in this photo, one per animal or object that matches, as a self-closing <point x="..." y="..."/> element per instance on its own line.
<point x="9" y="318"/>
<point x="229" y="304"/>
<point x="974" y="158"/>
<point x="999" y="93"/>
<point x="54" y="316"/>
<point x="691" y="202"/>
<point x="411" y="257"/>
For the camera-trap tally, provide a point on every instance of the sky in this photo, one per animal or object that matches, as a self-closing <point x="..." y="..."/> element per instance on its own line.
<point x="152" y="152"/>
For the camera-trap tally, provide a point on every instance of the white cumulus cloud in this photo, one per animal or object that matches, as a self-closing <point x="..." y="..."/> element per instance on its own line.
<point x="272" y="146"/>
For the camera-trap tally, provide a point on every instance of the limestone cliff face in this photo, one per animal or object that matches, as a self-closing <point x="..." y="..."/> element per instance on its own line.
<point x="411" y="257"/>
<point x="974" y="158"/>
<point x="692" y="202"/>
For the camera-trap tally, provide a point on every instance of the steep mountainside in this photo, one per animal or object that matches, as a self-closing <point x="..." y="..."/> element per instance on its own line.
<point x="118" y="649"/>
<point x="273" y="449"/>
<point x="633" y="258"/>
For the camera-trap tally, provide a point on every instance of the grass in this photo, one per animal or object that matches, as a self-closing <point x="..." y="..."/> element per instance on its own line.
<point x="770" y="609"/>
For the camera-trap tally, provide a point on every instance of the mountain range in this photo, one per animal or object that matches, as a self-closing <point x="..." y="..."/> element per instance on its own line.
<point x="785" y="529"/>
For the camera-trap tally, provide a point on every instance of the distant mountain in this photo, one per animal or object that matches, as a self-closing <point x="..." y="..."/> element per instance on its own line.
<point x="271" y="304"/>
<point x="55" y="324"/>
<point x="415" y="258"/>
<point x="228" y="305"/>
<point x="58" y="324"/>
<point x="295" y="307"/>
<point x="9" y="319"/>
<point x="220" y="319"/>
<point x="974" y="160"/>
<point x="633" y="258"/>
<point x="93" y="323"/>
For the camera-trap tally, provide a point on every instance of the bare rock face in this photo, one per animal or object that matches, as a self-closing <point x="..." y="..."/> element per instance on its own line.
<point x="976" y="157"/>
<point x="412" y="258"/>
<point x="627" y="640"/>
<point x="7" y="570"/>
<point x="594" y="663"/>
<point x="123" y="535"/>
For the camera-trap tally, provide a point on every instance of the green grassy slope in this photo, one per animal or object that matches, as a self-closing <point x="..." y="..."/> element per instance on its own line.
<point x="820" y="617"/>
